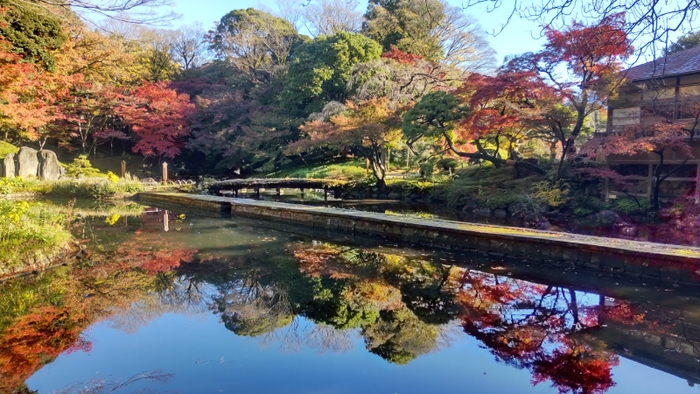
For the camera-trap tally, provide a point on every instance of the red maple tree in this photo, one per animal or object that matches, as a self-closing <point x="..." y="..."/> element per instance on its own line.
<point x="400" y="56"/>
<point x="592" y="56"/>
<point x="504" y="109"/>
<point x="159" y="117"/>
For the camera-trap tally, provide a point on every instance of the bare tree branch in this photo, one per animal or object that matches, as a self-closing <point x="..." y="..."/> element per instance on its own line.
<point x="130" y="11"/>
<point x="650" y="23"/>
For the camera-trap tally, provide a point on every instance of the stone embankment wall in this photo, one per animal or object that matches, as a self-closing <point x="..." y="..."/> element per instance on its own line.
<point x="30" y="163"/>
<point x="640" y="259"/>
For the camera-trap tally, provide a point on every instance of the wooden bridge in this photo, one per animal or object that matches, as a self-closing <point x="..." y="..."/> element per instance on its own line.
<point x="234" y="186"/>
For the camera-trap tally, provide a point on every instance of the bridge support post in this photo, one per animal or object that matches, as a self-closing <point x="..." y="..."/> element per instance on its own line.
<point x="325" y="193"/>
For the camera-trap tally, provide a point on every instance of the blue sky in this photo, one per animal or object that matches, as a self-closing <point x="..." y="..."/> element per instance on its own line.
<point x="518" y="37"/>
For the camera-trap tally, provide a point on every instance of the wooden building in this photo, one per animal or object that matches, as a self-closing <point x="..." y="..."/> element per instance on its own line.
<point x="665" y="90"/>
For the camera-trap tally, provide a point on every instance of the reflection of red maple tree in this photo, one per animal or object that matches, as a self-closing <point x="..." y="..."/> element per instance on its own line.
<point x="164" y="257"/>
<point x="575" y="368"/>
<point x="540" y="328"/>
<point x="34" y="340"/>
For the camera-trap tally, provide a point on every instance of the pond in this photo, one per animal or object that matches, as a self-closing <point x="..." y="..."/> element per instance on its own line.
<point x="164" y="301"/>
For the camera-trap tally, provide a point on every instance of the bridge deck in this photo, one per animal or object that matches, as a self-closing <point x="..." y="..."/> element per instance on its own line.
<point x="282" y="183"/>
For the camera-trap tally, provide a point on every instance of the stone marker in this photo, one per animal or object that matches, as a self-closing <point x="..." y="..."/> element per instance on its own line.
<point x="28" y="162"/>
<point x="50" y="169"/>
<point x="8" y="166"/>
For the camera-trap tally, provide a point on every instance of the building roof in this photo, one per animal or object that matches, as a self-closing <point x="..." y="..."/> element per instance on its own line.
<point x="684" y="62"/>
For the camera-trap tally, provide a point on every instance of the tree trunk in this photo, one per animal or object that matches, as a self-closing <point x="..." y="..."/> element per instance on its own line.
<point x="659" y="179"/>
<point x="566" y="147"/>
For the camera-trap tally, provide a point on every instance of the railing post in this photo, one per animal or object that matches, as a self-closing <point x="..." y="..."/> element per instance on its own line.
<point x="165" y="173"/>
<point x="650" y="178"/>
<point x="123" y="169"/>
<point x="697" y="186"/>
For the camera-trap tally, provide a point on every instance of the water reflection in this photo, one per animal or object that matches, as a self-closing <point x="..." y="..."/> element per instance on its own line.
<point x="100" y="386"/>
<point x="264" y="284"/>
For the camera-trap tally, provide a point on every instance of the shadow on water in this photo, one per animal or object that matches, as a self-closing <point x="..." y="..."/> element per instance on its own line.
<point x="568" y="328"/>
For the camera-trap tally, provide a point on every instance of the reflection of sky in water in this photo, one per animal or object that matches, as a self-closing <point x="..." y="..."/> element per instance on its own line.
<point x="182" y="334"/>
<point x="193" y="349"/>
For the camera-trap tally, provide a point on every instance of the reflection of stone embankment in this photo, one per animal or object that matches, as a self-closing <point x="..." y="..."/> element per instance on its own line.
<point x="675" y="349"/>
<point x="640" y="259"/>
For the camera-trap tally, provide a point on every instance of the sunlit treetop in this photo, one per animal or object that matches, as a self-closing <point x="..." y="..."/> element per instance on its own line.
<point x="33" y="31"/>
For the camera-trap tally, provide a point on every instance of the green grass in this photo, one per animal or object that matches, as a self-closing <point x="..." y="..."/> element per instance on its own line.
<point x="353" y="170"/>
<point x="29" y="228"/>
<point x="20" y="186"/>
<point x="492" y="187"/>
<point x="95" y="188"/>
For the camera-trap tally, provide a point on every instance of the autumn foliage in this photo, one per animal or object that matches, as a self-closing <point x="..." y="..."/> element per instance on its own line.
<point x="28" y="94"/>
<point x="400" y="56"/>
<point x="541" y="328"/>
<point x="158" y="117"/>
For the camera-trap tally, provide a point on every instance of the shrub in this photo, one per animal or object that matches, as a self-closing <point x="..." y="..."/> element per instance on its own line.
<point x="426" y="170"/>
<point x="630" y="206"/>
<point x="448" y="164"/>
<point x="492" y="187"/>
<point x="584" y="205"/>
<point x="550" y="194"/>
<point x="7" y="148"/>
<point x="19" y="185"/>
<point x="112" y="177"/>
<point x="81" y="167"/>
<point x="503" y="199"/>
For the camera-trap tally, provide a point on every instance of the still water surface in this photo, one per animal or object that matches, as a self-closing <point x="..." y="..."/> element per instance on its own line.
<point x="166" y="301"/>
